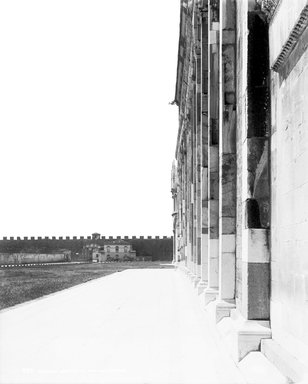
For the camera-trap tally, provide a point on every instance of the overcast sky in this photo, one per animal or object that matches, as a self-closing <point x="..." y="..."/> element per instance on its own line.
<point x="87" y="132"/>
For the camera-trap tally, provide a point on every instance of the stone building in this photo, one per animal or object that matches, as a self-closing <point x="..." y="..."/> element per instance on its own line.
<point x="149" y="248"/>
<point x="240" y="176"/>
<point x="112" y="250"/>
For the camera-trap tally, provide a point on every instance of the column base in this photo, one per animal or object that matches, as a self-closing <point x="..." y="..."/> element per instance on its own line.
<point x="219" y="309"/>
<point x="201" y="287"/>
<point x="223" y="309"/>
<point x="196" y="281"/>
<point x="183" y="269"/>
<point x="242" y="336"/>
<point x="190" y="274"/>
<point x="210" y="294"/>
<point x="193" y="278"/>
<point x="288" y="364"/>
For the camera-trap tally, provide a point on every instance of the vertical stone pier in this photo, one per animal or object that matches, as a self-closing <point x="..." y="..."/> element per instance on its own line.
<point x="253" y="229"/>
<point x="175" y="213"/>
<point x="198" y="160"/>
<point x="189" y="202"/>
<point x="227" y="160"/>
<point x="193" y="167"/>
<point x="213" y="155"/>
<point x="193" y="158"/>
<point x="255" y="198"/>
<point x="204" y="150"/>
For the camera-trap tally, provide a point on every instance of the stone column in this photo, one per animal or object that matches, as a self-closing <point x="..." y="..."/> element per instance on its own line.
<point x="182" y="196"/>
<point x="198" y="147"/>
<point x="204" y="150"/>
<point x="213" y="140"/>
<point x="251" y="323"/>
<point x="186" y="204"/>
<point x="255" y="178"/>
<point x="174" y="191"/>
<point x="174" y="258"/>
<point x="189" y="205"/>
<point x="227" y="160"/>
<point x="180" y="231"/>
<point x="194" y="171"/>
<point x="191" y="106"/>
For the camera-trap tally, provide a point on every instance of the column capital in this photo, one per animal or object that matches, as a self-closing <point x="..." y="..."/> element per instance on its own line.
<point x="268" y="7"/>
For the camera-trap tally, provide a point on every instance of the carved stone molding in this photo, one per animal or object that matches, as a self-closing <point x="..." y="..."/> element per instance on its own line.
<point x="294" y="36"/>
<point x="268" y="6"/>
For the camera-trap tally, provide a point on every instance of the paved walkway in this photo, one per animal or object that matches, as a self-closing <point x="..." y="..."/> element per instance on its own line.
<point x="136" y="326"/>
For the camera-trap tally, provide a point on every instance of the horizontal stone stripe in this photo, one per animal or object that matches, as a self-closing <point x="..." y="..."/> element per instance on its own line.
<point x="258" y="303"/>
<point x="255" y="245"/>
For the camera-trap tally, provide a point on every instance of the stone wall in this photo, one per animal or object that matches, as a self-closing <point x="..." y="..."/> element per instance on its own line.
<point x="157" y="248"/>
<point x="289" y="168"/>
<point x="241" y="96"/>
<point x="33" y="258"/>
<point x="249" y="95"/>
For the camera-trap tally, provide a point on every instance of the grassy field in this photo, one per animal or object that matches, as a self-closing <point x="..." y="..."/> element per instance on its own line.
<point x="21" y="284"/>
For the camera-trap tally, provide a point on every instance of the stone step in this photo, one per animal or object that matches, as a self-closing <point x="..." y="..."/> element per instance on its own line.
<point x="257" y="369"/>
<point x="289" y="365"/>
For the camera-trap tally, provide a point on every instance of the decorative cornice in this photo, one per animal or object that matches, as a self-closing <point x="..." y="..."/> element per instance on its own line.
<point x="294" y="36"/>
<point x="268" y="7"/>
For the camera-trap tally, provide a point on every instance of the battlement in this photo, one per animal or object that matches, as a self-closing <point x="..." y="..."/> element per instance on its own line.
<point x="71" y="238"/>
<point x="158" y="248"/>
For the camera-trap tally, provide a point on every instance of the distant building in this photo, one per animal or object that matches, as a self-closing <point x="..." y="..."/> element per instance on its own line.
<point x="81" y="248"/>
<point x="111" y="250"/>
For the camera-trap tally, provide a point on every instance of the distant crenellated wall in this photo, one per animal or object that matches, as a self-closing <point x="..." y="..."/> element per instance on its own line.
<point x="159" y="248"/>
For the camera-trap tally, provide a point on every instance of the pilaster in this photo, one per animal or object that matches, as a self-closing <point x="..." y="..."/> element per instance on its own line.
<point x="213" y="142"/>
<point x="227" y="159"/>
<point x="255" y="178"/>
<point x="204" y="150"/>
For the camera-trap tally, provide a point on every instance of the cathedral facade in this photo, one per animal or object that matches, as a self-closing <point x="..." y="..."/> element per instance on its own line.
<point x="240" y="175"/>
